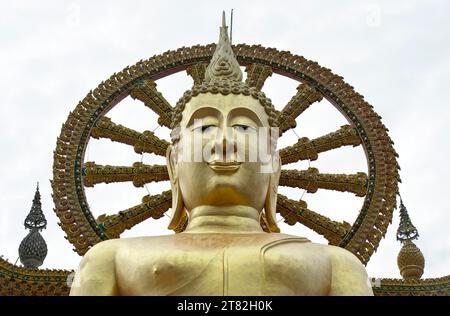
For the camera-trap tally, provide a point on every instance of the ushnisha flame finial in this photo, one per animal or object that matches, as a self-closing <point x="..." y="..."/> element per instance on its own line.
<point x="223" y="65"/>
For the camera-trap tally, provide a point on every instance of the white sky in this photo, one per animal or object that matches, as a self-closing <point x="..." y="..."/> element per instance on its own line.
<point x="395" y="54"/>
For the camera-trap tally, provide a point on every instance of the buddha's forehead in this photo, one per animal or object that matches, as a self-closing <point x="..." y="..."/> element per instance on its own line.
<point x="224" y="104"/>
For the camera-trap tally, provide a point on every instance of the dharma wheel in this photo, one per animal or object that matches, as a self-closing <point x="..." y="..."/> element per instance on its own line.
<point x="377" y="185"/>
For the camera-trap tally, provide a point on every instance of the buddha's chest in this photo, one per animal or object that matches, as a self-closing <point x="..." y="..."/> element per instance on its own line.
<point x="220" y="269"/>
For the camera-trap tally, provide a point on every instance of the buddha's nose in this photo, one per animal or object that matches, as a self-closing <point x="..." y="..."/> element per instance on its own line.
<point x="226" y="143"/>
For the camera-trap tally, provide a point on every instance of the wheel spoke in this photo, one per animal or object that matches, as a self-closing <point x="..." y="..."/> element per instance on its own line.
<point x="311" y="180"/>
<point x="146" y="142"/>
<point x="309" y="149"/>
<point x="305" y="96"/>
<point x="297" y="211"/>
<point x="146" y="92"/>
<point x="139" y="174"/>
<point x="153" y="206"/>
<point x="197" y="72"/>
<point x="257" y="75"/>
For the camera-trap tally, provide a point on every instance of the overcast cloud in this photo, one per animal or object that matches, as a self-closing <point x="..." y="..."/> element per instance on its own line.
<point x="396" y="54"/>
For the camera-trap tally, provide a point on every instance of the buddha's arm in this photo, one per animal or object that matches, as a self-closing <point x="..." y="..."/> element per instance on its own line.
<point x="96" y="273"/>
<point x="349" y="277"/>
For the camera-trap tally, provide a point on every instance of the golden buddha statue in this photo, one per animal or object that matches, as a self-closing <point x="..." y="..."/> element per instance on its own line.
<point x="231" y="244"/>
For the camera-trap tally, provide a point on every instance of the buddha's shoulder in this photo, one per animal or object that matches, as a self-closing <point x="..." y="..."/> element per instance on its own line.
<point x="109" y="248"/>
<point x="272" y="245"/>
<point x="300" y="245"/>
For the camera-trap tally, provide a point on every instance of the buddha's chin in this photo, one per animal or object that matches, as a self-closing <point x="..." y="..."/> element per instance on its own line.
<point x="221" y="184"/>
<point x="203" y="185"/>
<point x="228" y="190"/>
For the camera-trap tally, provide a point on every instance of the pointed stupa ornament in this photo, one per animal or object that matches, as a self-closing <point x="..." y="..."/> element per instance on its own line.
<point x="410" y="259"/>
<point x="223" y="65"/>
<point x="406" y="230"/>
<point x="36" y="219"/>
<point x="33" y="248"/>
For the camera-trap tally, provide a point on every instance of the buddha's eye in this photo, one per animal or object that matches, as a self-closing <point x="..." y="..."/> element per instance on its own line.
<point x="204" y="128"/>
<point x="243" y="128"/>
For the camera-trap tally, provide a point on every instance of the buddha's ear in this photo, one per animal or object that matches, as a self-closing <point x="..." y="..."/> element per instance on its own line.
<point x="177" y="198"/>
<point x="271" y="197"/>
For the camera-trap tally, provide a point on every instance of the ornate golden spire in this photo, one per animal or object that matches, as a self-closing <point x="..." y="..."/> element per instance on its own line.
<point x="223" y="65"/>
<point x="410" y="259"/>
<point x="36" y="219"/>
<point x="33" y="248"/>
<point x="406" y="230"/>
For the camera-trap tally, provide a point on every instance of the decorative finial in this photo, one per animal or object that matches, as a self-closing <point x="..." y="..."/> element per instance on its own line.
<point x="224" y="24"/>
<point x="231" y="27"/>
<point x="33" y="248"/>
<point x="36" y="219"/>
<point x="406" y="230"/>
<point x="223" y="65"/>
<point x="410" y="259"/>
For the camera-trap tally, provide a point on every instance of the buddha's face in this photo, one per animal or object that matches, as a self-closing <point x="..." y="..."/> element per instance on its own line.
<point x="223" y="156"/>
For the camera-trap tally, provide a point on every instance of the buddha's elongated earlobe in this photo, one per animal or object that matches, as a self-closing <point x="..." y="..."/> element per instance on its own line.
<point x="271" y="198"/>
<point x="177" y="198"/>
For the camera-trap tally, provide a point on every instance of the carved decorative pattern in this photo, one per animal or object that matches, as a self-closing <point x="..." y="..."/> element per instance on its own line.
<point x="257" y="75"/>
<point x="145" y="142"/>
<point x="305" y="96"/>
<point x="139" y="174"/>
<point x="197" y="72"/>
<point x="152" y="206"/>
<point x="19" y="281"/>
<point x="311" y="180"/>
<point x="306" y="149"/>
<point x="145" y="90"/>
<point x="297" y="212"/>
<point x="422" y="287"/>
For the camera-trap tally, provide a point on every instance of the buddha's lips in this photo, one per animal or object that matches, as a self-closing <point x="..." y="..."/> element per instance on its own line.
<point x="224" y="165"/>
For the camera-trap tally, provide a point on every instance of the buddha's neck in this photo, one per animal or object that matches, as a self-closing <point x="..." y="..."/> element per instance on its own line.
<point x="223" y="219"/>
